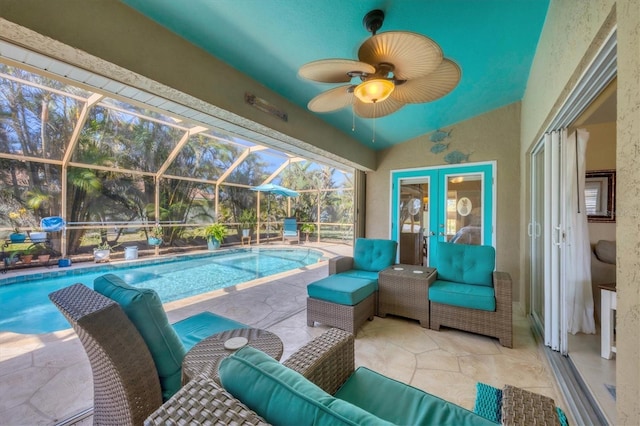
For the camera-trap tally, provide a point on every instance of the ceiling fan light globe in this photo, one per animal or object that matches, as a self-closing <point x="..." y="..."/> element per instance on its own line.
<point x="375" y="90"/>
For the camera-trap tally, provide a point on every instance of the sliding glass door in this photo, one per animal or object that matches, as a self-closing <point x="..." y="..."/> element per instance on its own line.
<point x="547" y="232"/>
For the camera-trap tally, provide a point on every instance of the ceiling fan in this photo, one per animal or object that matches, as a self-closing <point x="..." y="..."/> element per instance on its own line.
<point x="394" y="68"/>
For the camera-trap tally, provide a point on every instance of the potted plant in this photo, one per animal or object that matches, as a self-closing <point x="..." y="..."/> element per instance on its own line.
<point x="12" y="259"/>
<point x="247" y="222"/>
<point x="27" y="255"/>
<point x="16" y="218"/>
<point x="155" y="236"/>
<point x="307" y="228"/>
<point x="214" y="234"/>
<point x="38" y="235"/>
<point x="41" y="252"/>
<point x="101" y="252"/>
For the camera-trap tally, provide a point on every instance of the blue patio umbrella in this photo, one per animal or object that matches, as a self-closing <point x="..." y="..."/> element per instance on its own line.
<point x="276" y="189"/>
<point x="270" y="188"/>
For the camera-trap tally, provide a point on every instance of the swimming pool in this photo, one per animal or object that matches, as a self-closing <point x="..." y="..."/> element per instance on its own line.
<point x="26" y="307"/>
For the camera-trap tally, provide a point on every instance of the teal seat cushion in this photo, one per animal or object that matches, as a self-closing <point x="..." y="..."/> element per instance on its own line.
<point x="197" y="327"/>
<point x="374" y="255"/>
<point x="284" y="397"/>
<point x="342" y="289"/>
<point x="144" y="309"/>
<point x="402" y="404"/>
<point x="357" y="273"/>
<point x="463" y="295"/>
<point x="466" y="264"/>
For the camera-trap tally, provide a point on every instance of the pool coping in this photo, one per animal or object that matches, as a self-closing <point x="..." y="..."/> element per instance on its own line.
<point x="83" y="268"/>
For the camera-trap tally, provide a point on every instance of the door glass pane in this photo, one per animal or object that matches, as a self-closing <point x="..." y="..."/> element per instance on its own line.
<point x="463" y="209"/>
<point x="537" y="238"/>
<point x="414" y="211"/>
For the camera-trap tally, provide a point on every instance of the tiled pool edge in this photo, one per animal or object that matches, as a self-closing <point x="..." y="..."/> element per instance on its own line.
<point x="56" y="271"/>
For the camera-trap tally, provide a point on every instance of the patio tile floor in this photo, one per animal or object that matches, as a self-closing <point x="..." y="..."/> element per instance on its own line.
<point x="46" y="379"/>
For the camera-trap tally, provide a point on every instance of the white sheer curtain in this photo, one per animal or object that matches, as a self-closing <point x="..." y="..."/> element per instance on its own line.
<point x="578" y="296"/>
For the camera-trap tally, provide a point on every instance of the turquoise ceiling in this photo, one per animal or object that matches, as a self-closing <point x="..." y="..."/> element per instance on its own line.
<point x="493" y="41"/>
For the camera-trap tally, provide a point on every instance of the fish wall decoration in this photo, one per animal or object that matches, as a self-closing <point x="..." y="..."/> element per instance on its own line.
<point x="439" y="147"/>
<point x="439" y="135"/>
<point x="455" y="157"/>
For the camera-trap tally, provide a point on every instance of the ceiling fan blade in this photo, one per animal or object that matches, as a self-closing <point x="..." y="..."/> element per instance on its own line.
<point x="379" y="109"/>
<point x="332" y="100"/>
<point x="413" y="55"/>
<point x="333" y="70"/>
<point x="431" y="87"/>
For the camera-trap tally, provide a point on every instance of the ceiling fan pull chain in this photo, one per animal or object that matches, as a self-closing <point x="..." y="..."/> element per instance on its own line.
<point x="353" y="119"/>
<point x="373" y="138"/>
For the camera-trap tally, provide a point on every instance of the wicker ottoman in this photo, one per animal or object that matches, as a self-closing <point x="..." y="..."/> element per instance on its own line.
<point x="342" y="301"/>
<point x="345" y="317"/>
<point x="404" y="291"/>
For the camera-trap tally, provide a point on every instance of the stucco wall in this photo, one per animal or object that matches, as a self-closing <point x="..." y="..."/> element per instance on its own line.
<point x="628" y="218"/>
<point x="569" y="31"/>
<point x="488" y="137"/>
<point x="573" y="32"/>
<point x="601" y="147"/>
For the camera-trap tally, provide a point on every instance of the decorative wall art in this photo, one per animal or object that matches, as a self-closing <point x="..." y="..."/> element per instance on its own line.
<point x="439" y="146"/>
<point x="600" y="195"/>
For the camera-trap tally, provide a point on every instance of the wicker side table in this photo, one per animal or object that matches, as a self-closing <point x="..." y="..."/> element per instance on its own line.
<point x="204" y="357"/>
<point x="404" y="290"/>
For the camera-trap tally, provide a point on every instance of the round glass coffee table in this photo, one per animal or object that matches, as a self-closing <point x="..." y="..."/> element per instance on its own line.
<point x="204" y="357"/>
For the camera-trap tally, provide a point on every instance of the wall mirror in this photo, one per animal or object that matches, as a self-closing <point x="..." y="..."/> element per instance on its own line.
<point x="600" y="192"/>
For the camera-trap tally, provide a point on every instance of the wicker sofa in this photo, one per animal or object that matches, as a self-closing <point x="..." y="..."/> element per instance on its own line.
<point x="318" y="384"/>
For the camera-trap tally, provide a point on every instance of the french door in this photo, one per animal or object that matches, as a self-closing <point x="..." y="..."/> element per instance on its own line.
<point x="451" y="203"/>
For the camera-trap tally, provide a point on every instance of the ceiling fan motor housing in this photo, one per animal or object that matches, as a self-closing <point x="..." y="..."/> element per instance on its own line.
<point x="373" y="20"/>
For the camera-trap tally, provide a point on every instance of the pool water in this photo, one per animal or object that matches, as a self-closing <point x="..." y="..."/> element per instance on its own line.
<point x="26" y="307"/>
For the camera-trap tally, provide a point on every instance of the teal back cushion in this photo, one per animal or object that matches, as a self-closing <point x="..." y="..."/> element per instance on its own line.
<point x="144" y="309"/>
<point x="284" y="397"/>
<point x="466" y="264"/>
<point x="374" y="255"/>
<point x="403" y="404"/>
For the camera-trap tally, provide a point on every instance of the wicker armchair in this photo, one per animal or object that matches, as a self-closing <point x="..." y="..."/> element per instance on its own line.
<point x="126" y="387"/>
<point x="468" y="261"/>
<point x="498" y="323"/>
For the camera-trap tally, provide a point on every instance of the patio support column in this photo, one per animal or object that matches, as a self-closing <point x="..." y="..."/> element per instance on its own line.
<point x="318" y="217"/>
<point x="66" y="159"/>
<point x="258" y="217"/>
<point x="215" y="203"/>
<point x="156" y="200"/>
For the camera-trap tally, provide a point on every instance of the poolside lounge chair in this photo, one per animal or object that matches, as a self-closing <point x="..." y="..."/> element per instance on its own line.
<point x="136" y="365"/>
<point x="290" y="230"/>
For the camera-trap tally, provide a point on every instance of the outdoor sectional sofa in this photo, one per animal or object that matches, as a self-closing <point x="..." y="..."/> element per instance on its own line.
<point x="319" y="384"/>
